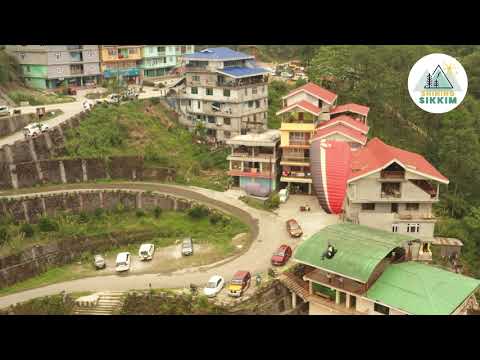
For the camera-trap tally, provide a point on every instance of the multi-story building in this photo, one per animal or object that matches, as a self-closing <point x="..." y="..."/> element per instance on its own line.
<point x="121" y="62"/>
<point x="50" y="66"/>
<point x="159" y="60"/>
<point x="303" y="109"/>
<point x="393" y="190"/>
<point x="225" y="92"/>
<point x="254" y="160"/>
<point x="351" y="269"/>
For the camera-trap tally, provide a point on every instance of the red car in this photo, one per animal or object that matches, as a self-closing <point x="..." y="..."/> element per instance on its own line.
<point x="293" y="228"/>
<point x="281" y="256"/>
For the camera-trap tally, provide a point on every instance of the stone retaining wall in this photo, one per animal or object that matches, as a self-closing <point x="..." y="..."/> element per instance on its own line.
<point x="12" y="124"/>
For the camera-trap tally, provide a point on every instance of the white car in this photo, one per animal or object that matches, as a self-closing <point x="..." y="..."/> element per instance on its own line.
<point x="110" y="99"/>
<point x="123" y="262"/>
<point x="88" y="104"/>
<point x="214" y="286"/>
<point x="146" y="251"/>
<point x="4" y="110"/>
<point x="34" y="129"/>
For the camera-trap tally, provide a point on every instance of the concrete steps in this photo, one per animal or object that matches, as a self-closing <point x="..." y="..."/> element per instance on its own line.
<point x="108" y="304"/>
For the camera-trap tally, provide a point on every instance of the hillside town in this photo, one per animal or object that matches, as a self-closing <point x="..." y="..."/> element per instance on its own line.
<point x="330" y="219"/>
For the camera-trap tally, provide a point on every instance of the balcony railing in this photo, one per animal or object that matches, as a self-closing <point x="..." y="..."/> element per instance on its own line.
<point x="251" y="173"/>
<point x="252" y="155"/>
<point x="414" y="215"/>
<point x="299" y="141"/>
<point x="297" y="174"/>
<point x="295" y="159"/>
<point x="388" y="195"/>
<point x="387" y="174"/>
<point x="336" y="281"/>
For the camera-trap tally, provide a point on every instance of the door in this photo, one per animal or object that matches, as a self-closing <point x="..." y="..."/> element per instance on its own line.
<point x="394" y="208"/>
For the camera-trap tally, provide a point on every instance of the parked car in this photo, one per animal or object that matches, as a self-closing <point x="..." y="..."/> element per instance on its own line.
<point x="4" y="110"/>
<point x="239" y="284"/>
<point x="34" y="129"/>
<point x="283" y="195"/>
<point x="99" y="262"/>
<point x="187" y="246"/>
<point x="110" y="99"/>
<point x="123" y="262"/>
<point x="214" y="286"/>
<point x="293" y="228"/>
<point x="281" y="256"/>
<point x="130" y="94"/>
<point x="146" y="251"/>
<point x="87" y="104"/>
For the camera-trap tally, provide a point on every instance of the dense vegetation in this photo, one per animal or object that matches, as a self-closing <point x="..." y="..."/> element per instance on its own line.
<point x="149" y="129"/>
<point x="50" y="305"/>
<point x="165" y="226"/>
<point x="9" y="68"/>
<point x="377" y="76"/>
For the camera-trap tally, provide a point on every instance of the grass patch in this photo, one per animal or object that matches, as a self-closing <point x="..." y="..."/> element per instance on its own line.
<point x="270" y="204"/>
<point x="149" y="130"/>
<point x="50" y="305"/>
<point x="38" y="98"/>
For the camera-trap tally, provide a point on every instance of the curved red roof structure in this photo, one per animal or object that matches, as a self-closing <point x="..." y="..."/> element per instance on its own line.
<point x="330" y="167"/>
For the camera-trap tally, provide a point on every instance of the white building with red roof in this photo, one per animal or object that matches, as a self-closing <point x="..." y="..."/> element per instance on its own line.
<point x="393" y="190"/>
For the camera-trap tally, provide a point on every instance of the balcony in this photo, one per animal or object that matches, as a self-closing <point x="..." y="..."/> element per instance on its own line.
<point x="414" y="215"/>
<point x="257" y="155"/>
<point x="299" y="142"/>
<point x="252" y="172"/>
<point x="295" y="160"/>
<point x="391" y="195"/>
<point x="336" y="281"/>
<point x="392" y="175"/>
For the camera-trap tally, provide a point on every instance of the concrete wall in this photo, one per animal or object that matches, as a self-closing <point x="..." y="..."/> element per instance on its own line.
<point x="12" y="124"/>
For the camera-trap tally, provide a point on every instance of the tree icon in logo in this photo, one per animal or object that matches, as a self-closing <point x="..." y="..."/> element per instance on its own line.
<point x="437" y="80"/>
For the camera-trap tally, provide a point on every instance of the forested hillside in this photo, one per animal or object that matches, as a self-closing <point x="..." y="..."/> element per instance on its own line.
<point x="377" y="76"/>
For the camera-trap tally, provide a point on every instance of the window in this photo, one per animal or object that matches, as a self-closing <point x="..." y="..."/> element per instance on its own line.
<point x="368" y="206"/>
<point x="254" y="91"/>
<point x="226" y="92"/>
<point x="198" y="102"/>
<point x="250" y="104"/>
<point x="226" y="121"/>
<point x="28" y="68"/>
<point x="413" y="228"/>
<point x="161" y="49"/>
<point x="194" y="90"/>
<point x="57" y="56"/>
<point x="132" y="51"/>
<point x="246" y="91"/>
<point x="381" y="309"/>
<point x="22" y="55"/>
<point x="195" y="78"/>
<point x="209" y="91"/>
<point x="257" y="104"/>
<point x="394" y="228"/>
<point x="211" y="119"/>
<point x="414" y="206"/>
<point x="112" y="52"/>
<point x="226" y="134"/>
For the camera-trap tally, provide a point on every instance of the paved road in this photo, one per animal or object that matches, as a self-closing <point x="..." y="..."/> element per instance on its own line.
<point x="69" y="110"/>
<point x="257" y="259"/>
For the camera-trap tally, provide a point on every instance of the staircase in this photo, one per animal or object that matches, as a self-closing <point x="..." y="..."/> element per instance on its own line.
<point x="295" y="284"/>
<point x="109" y="303"/>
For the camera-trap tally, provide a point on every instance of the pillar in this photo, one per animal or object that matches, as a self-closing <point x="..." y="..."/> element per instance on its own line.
<point x="337" y="297"/>
<point x="348" y="301"/>
<point x="294" y="300"/>
<point x="310" y="288"/>
<point x="309" y="189"/>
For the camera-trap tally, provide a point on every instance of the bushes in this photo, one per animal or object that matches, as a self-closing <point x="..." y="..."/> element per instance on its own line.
<point x="83" y="217"/>
<point x="215" y="218"/>
<point x="46" y="224"/>
<point x="27" y="230"/>
<point x="4" y="236"/>
<point x="198" y="212"/>
<point x="157" y="212"/>
<point x="140" y="213"/>
<point x="98" y="213"/>
<point x="207" y="163"/>
<point x="273" y="201"/>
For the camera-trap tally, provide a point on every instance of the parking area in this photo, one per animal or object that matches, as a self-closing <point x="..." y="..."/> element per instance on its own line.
<point x="310" y="221"/>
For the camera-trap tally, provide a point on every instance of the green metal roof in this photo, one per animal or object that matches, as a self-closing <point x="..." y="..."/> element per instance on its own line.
<point x="421" y="289"/>
<point x="359" y="249"/>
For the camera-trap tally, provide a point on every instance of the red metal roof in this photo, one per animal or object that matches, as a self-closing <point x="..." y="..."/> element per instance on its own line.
<point x="376" y="155"/>
<point x="305" y="105"/>
<point x="351" y="107"/>
<point x="348" y="121"/>
<point x="330" y="166"/>
<point x="316" y="91"/>
<point x="341" y="129"/>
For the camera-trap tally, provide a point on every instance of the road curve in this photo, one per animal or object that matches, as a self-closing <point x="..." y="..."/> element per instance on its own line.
<point x="270" y="235"/>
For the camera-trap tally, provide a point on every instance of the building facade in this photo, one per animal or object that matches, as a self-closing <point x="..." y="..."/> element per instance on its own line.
<point x="225" y="92"/>
<point x="50" y="66"/>
<point x="121" y="62"/>
<point x="253" y="162"/>
<point x="356" y="270"/>
<point x="159" y="60"/>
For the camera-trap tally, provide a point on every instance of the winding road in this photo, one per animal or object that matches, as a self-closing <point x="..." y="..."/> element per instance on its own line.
<point x="268" y="234"/>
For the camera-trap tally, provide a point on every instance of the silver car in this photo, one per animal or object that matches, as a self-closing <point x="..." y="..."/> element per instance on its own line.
<point x="187" y="246"/>
<point x="4" y="110"/>
<point x="99" y="262"/>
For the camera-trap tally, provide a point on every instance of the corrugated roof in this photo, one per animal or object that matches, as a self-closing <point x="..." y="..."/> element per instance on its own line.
<point x="359" y="249"/>
<point x="420" y="289"/>
<point x="346" y="120"/>
<point x="220" y="53"/>
<point x="240" y="72"/>
<point x="351" y="107"/>
<point x="340" y="128"/>
<point x="304" y="105"/>
<point x="316" y="91"/>
<point x="377" y="155"/>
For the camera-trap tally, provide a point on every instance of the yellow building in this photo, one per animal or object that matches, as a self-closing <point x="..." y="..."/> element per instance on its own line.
<point x="121" y="61"/>
<point x="303" y="109"/>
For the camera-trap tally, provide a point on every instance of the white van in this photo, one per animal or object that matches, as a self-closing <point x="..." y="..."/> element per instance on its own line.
<point x="123" y="262"/>
<point x="146" y="251"/>
<point x="34" y="129"/>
